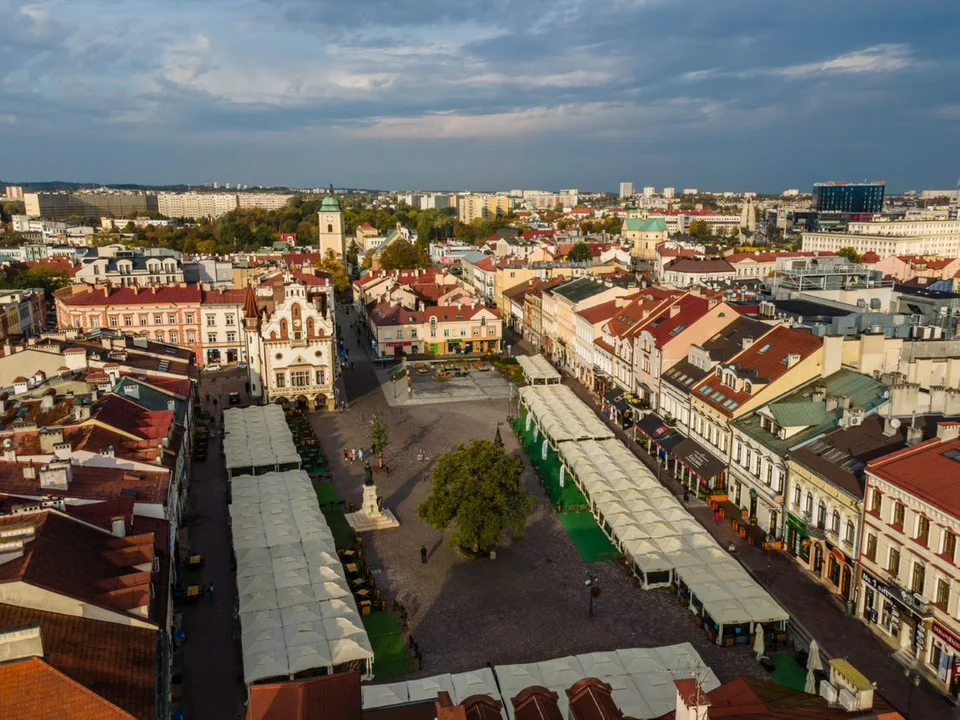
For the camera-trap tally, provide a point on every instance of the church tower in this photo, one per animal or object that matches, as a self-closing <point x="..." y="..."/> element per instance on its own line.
<point x="331" y="227"/>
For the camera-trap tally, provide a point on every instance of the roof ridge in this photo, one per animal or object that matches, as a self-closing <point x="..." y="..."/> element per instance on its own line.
<point x="904" y="453"/>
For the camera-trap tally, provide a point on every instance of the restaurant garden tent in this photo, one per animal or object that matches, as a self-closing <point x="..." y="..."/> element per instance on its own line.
<point x="257" y="440"/>
<point x="560" y="414"/>
<point x="538" y="369"/>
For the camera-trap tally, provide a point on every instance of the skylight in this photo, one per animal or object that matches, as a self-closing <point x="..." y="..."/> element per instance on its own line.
<point x="953" y="455"/>
<point x="764" y="348"/>
<point x="677" y="330"/>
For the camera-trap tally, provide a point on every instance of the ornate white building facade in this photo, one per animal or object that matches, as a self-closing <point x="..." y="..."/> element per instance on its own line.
<point x="291" y="330"/>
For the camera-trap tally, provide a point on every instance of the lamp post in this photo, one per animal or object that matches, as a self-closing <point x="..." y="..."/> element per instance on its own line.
<point x="913" y="682"/>
<point x="592" y="590"/>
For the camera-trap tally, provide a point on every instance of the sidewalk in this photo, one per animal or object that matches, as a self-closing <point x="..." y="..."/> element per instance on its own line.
<point x="809" y="603"/>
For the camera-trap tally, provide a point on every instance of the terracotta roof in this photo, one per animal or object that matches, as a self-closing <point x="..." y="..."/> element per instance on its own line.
<point x="387" y="313"/>
<point x="223" y="297"/>
<point x="450" y="313"/>
<point x="695" y="265"/>
<point x="173" y="386"/>
<point x="488" y="264"/>
<point x="928" y="471"/>
<point x="667" y="325"/>
<point x="156" y="295"/>
<point x="328" y="697"/>
<point x="68" y="558"/>
<point x="91" y="482"/>
<point x="117" y="662"/>
<point x="32" y="689"/>
<point x="765" y="361"/>
<point x="129" y="417"/>
<point x="599" y="313"/>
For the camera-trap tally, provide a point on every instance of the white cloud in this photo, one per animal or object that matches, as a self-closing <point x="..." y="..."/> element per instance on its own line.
<point x="8" y="119"/>
<point x="873" y="59"/>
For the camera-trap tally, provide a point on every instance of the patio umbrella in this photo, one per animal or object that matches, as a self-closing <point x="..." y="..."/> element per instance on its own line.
<point x="810" y="686"/>
<point x="813" y="658"/>
<point x="758" y="647"/>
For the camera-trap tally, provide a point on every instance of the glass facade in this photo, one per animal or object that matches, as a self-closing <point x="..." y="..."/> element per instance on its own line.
<point x="866" y="198"/>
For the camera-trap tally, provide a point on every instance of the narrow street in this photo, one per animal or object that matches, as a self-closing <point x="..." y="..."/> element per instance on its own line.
<point x="212" y="668"/>
<point x="809" y="603"/>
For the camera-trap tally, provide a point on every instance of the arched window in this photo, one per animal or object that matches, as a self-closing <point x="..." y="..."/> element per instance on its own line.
<point x="310" y="327"/>
<point x="295" y="311"/>
<point x="835" y="522"/>
<point x="284" y="331"/>
<point x="329" y="228"/>
<point x="821" y="514"/>
<point x="809" y="506"/>
<point x="849" y="533"/>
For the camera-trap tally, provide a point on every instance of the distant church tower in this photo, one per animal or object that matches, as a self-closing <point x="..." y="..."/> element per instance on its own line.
<point x="331" y="227"/>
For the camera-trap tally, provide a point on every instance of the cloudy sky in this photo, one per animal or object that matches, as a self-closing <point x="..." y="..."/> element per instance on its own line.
<point x="485" y="94"/>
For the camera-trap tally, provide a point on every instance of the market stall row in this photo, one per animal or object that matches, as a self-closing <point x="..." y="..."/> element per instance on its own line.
<point x="257" y="440"/>
<point x="663" y="542"/>
<point x="641" y="678"/>
<point x="538" y="369"/>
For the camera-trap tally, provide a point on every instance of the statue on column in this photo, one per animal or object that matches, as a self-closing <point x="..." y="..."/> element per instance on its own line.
<point x="367" y="475"/>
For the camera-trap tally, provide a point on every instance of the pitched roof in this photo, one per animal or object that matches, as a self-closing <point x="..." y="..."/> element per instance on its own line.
<point x="580" y="289"/>
<point x="91" y="482"/>
<point x="696" y="265"/>
<point x="599" y="313"/>
<point x="69" y="558"/>
<point x="328" y="697"/>
<point x="154" y="295"/>
<point x="669" y="324"/>
<point x="927" y="471"/>
<point x="764" y="361"/>
<point x="32" y="689"/>
<point x="117" y="662"/>
<point x="645" y="225"/>
<point x="223" y="297"/>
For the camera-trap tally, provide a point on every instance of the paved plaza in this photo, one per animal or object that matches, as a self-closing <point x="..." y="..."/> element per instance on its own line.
<point x="427" y="388"/>
<point x="531" y="602"/>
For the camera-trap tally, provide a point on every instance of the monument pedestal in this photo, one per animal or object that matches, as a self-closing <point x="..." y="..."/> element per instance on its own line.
<point x="371" y="516"/>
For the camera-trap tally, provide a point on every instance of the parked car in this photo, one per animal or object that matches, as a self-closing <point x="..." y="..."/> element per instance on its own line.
<point x="215" y="367"/>
<point x="241" y="366"/>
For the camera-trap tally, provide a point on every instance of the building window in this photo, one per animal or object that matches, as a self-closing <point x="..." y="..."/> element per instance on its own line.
<point x="835" y="522"/>
<point x="231" y="337"/>
<point x="159" y="335"/>
<point x="949" y="545"/>
<point x="321" y="377"/>
<point x="114" y="321"/>
<point x="463" y="333"/>
<point x="188" y="318"/>
<point x="737" y="450"/>
<point x="413" y="333"/>
<point x="191" y="337"/>
<point x="94" y="321"/>
<point x="919" y="578"/>
<point x="128" y="320"/>
<point x="796" y="496"/>
<point x="898" y="512"/>
<point x="174" y="336"/>
<point x="399" y="334"/>
<point x="923" y="529"/>
<point x="809" y="505"/>
<point x="211" y="320"/>
<point x="171" y="319"/>
<point x="446" y="332"/>
<point x="821" y="514"/>
<point x="849" y="533"/>
<point x="942" y="599"/>
<point x="231" y="320"/>
<point x="280" y="380"/>
<point x="158" y="319"/>
<point x="143" y="319"/>
<point x="388" y="334"/>
<point x="299" y="378"/>
<point x="876" y="502"/>
<point x="893" y="561"/>
<point x="871" y="548"/>
<point x="211" y="338"/>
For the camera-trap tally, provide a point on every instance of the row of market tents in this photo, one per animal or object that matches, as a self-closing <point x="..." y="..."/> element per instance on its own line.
<point x="642" y="680"/>
<point x="297" y="612"/>
<point x="257" y="440"/>
<point x="650" y="526"/>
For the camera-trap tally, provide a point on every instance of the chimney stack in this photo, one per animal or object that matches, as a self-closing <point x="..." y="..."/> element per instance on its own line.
<point x="948" y="431"/>
<point x="914" y="434"/>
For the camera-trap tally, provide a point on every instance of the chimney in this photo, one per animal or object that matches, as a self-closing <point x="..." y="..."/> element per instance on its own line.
<point x="446" y="710"/>
<point x="675" y="310"/>
<point x="914" y="433"/>
<point x="948" y="431"/>
<point x="118" y="526"/>
<point x="692" y="702"/>
<point x="745" y="343"/>
<point x="56" y="476"/>
<point x="819" y="394"/>
<point x="792" y="359"/>
<point x="832" y="355"/>
<point x="20" y="643"/>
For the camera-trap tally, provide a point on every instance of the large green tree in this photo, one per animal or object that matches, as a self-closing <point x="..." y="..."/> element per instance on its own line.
<point x="580" y="253"/>
<point x="403" y="255"/>
<point x="48" y="279"/>
<point x="478" y="491"/>
<point x="379" y="435"/>
<point x="849" y="253"/>
<point x="335" y="267"/>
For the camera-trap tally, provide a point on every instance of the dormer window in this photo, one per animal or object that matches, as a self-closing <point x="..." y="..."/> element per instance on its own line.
<point x="719" y="373"/>
<point x="748" y="388"/>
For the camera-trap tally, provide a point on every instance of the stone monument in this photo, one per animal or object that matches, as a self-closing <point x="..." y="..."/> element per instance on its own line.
<point x="372" y="515"/>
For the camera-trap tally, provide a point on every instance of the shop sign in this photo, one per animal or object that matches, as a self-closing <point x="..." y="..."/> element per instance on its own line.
<point x="900" y="597"/>
<point x="841" y="558"/>
<point x="797" y="524"/>
<point x="948" y="637"/>
<point x="920" y="637"/>
<point x="399" y="344"/>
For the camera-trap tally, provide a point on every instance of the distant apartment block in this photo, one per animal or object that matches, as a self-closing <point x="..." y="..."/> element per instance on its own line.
<point x="195" y="206"/>
<point x="14" y="192"/>
<point x="922" y="237"/>
<point x="842" y="197"/>
<point x="263" y="201"/>
<point x="58" y="206"/>
<point x="481" y="207"/>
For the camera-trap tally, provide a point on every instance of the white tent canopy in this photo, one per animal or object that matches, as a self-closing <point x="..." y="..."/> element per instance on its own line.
<point x="296" y="610"/>
<point x="561" y="415"/>
<point x="538" y="369"/>
<point x="258" y="437"/>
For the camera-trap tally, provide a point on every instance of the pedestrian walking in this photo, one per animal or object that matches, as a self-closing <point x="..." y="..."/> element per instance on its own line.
<point x="353" y="454"/>
<point x="686" y="495"/>
<point x="423" y="556"/>
<point x="716" y="517"/>
<point x="361" y="454"/>
<point x="346" y="454"/>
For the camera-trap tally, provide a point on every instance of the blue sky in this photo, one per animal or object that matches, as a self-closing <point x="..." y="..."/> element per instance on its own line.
<point x="485" y="94"/>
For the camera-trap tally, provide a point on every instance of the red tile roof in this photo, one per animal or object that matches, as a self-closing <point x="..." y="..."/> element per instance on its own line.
<point x="451" y="313"/>
<point x="117" y="662"/>
<point x="537" y="234"/>
<point x="696" y="265"/>
<point x="387" y="313"/>
<point x="89" y="482"/>
<point x="129" y="417"/>
<point x="162" y="295"/>
<point x="173" y="386"/>
<point x="32" y="689"/>
<point x="599" y="313"/>
<point x="689" y="309"/>
<point x="328" y="697"/>
<point x="223" y="297"/>
<point x="68" y="558"/>
<point x="764" y="360"/>
<point x="488" y="264"/>
<point x="925" y="471"/>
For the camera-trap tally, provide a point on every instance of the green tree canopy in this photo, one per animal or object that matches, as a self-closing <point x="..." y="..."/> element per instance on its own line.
<point x="48" y="279"/>
<point x="379" y="436"/>
<point x="699" y="228"/>
<point x="402" y="255"/>
<point x="580" y="253"/>
<point x="850" y="254"/>
<point x="335" y="267"/>
<point x="478" y="490"/>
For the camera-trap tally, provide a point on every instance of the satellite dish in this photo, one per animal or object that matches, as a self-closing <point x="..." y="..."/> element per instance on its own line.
<point x="895" y="423"/>
<point x="886" y="394"/>
<point x="7" y="443"/>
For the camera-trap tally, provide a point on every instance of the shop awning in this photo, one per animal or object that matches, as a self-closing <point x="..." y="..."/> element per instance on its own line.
<point x="701" y="462"/>
<point x="653" y="426"/>
<point x="669" y="443"/>
<point x="617" y="400"/>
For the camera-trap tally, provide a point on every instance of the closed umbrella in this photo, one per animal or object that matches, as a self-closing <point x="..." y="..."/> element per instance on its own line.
<point x="813" y="658"/>
<point x="758" y="647"/>
<point x="810" y="686"/>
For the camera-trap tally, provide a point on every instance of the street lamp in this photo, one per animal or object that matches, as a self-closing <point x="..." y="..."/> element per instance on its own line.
<point x="913" y="680"/>
<point x="394" y="388"/>
<point x="593" y="589"/>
